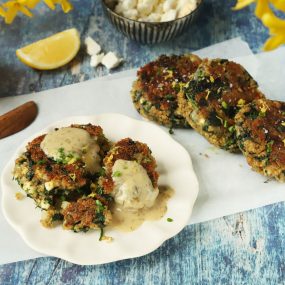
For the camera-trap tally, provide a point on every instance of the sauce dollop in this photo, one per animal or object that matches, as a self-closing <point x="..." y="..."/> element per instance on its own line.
<point x="133" y="188"/>
<point x="69" y="144"/>
<point x="127" y="220"/>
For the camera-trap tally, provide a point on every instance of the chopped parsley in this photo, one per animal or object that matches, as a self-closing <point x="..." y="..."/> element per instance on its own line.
<point x="224" y="105"/>
<point x="117" y="174"/>
<point x="66" y="158"/>
<point x="169" y="220"/>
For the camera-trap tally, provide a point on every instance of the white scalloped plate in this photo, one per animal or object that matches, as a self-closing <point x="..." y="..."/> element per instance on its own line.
<point x="174" y="166"/>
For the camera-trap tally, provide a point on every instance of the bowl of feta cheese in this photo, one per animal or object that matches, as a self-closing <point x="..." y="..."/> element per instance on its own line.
<point x="151" y="21"/>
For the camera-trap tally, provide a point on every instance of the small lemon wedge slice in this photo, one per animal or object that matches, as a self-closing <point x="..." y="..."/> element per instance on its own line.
<point x="51" y="52"/>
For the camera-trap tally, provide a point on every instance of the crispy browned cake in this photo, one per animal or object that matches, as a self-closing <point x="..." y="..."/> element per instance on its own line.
<point x="127" y="149"/>
<point x="154" y="93"/>
<point x="213" y="96"/>
<point x="51" y="183"/>
<point x="84" y="214"/>
<point x="260" y="128"/>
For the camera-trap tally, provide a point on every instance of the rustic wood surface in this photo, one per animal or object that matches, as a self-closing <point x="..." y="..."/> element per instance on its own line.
<point x="246" y="248"/>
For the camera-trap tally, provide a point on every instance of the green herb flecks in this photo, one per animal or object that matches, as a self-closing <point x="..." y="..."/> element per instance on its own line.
<point x="117" y="174"/>
<point x="101" y="234"/>
<point x="170" y="220"/>
<point x="66" y="158"/>
<point x="224" y="105"/>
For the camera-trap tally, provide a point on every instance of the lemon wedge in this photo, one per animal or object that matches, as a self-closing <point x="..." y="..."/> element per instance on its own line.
<point x="51" y="52"/>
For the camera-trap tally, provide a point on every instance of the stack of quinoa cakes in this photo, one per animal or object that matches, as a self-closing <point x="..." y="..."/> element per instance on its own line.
<point x="68" y="172"/>
<point x="222" y="102"/>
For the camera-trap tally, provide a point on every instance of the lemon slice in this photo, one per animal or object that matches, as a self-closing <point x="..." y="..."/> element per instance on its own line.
<point x="51" y="52"/>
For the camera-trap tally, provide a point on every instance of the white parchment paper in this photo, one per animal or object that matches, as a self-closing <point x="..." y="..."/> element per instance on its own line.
<point x="227" y="185"/>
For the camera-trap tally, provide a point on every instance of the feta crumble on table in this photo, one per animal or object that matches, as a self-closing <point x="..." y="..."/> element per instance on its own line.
<point x="155" y="10"/>
<point x="96" y="59"/>
<point x="92" y="46"/>
<point x="110" y="60"/>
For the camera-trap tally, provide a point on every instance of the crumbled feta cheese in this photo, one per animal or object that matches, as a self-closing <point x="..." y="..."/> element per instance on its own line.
<point x="163" y="10"/>
<point x="119" y="9"/>
<point x="129" y="4"/>
<point x="49" y="185"/>
<point x="110" y="60"/>
<point x="169" y="4"/>
<point x="184" y="7"/>
<point x="143" y="10"/>
<point x="169" y="15"/>
<point x="131" y="14"/>
<point x="92" y="46"/>
<point x="96" y="59"/>
<point x="159" y="9"/>
<point x="153" y="17"/>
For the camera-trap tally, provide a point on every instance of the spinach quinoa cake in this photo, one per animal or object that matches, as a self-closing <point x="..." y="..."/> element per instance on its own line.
<point x="154" y="93"/>
<point x="260" y="128"/>
<point x="60" y="172"/>
<point x="213" y="96"/>
<point x="130" y="174"/>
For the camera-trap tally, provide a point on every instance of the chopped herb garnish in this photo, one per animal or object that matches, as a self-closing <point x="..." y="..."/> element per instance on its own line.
<point x="171" y="131"/>
<point x="101" y="233"/>
<point x="169" y="220"/>
<point x="41" y="162"/>
<point x="224" y="105"/>
<point x="117" y="174"/>
<point x="68" y="158"/>
<point x="231" y="129"/>
<point x="269" y="147"/>
<point x="100" y="207"/>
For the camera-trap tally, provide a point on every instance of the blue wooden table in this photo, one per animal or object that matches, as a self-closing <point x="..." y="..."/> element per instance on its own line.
<point x="246" y="248"/>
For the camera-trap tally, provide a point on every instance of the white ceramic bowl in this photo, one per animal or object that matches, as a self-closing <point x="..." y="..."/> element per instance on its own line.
<point x="149" y="32"/>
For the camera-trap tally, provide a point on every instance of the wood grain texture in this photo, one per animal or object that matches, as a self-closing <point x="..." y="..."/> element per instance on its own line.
<point x="245" y="248"/>
<point x="17" y="119"/>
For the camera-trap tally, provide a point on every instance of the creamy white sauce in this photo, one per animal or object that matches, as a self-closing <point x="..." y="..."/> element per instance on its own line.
<point x="133" y="188"/>
<point x="126" y="220"/>
<point x="73" y="143"/>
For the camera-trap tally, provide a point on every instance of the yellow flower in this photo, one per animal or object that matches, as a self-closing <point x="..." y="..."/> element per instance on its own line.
<point x="10" y="9"/>
<point x="275" y="25"/>
<point x="31" y="4"/>
<point x="13" y="7"/>
<point x="65" y="4"/>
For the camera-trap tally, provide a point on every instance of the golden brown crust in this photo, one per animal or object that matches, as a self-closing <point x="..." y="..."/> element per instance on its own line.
<point x="52" y="183"/>
<point x="65" y="176"/>
<point x="85" y="214"/>
<point x="154" y="93"/>
<point x="260" y="128"/>
<point x="212" y="97"/>
<point x="127" y="149"/>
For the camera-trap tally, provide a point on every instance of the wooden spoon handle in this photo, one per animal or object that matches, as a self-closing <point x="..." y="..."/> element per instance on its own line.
<point x="17" y="119"/>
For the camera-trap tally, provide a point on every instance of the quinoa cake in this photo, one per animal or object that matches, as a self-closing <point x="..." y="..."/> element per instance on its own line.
<point x="53" y="174"/>
<point x="131" y="176"/>
<point x="154" y="93"/>
<point x="213" y="96"/>
<point x="260" y="129"/>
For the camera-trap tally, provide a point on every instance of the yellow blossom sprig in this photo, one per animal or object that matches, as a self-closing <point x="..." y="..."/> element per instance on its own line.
<point x="11" y="8"/>
<point x="275" y="25"/>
